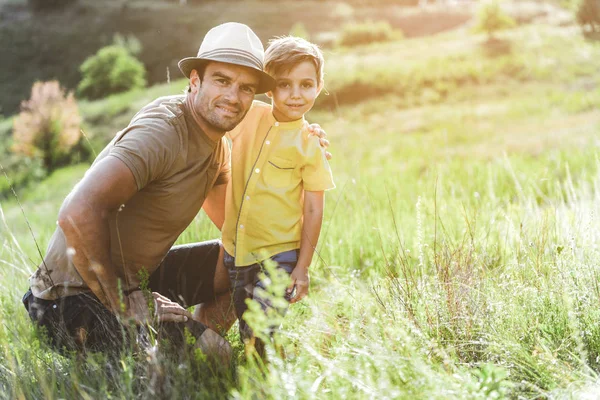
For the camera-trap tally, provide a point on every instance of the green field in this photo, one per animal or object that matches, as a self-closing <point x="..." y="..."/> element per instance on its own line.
<point x="459" y="254"/>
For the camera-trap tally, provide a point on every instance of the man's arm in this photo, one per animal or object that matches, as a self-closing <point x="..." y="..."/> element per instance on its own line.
<point x="83" y="219"/>
<point x="311" y="229"/>
<point x="214" y="204"/>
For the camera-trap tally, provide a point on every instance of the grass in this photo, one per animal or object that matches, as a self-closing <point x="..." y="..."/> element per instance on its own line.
<point x="458" y="256"/>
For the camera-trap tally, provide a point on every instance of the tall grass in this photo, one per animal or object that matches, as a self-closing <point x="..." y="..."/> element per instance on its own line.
<point x="458" y="259"/>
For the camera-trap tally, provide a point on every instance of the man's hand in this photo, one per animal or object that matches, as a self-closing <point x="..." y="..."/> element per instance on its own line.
<point x="169" y="311"/>
<point x="316" y="130"/>
<point x="137" y="307"/>
<point x="301" y="280"/>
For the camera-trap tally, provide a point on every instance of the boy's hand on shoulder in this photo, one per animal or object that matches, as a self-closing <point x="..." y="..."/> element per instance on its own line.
<point x="316" y="130"/>
<point x="300" y="280"/>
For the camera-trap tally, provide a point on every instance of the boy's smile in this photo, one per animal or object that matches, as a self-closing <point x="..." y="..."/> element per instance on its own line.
<point x="295" y="92"/>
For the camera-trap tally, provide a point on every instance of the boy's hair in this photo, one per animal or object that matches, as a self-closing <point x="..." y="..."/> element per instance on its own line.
<point x="286" y="51"/>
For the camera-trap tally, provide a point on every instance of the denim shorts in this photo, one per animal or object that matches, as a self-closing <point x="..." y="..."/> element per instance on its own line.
<point x="246" y="280"/>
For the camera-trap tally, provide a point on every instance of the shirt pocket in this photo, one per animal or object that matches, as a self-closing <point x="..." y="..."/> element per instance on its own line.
<point x="279" y="172"/>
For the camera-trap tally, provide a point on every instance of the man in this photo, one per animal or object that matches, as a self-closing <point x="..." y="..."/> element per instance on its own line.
<point x="117" y="226"/>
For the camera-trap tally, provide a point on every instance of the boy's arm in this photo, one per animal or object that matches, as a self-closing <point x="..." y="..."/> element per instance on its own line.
<point x="311" y="229"/>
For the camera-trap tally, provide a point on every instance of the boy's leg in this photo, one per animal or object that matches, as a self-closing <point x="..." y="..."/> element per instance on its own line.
<point x="242" y="286"/>
<point x="286" y="261"/>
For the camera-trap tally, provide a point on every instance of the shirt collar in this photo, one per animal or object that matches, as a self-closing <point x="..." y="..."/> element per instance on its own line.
<point x="286" y="126"/>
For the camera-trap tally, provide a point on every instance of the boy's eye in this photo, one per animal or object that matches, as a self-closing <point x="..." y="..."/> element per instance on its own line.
<point x="283" y="85"/>
<point x="307" y="85"/>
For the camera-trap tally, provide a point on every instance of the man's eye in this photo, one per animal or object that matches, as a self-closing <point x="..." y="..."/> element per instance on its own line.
<point x="248" y="89"/>
<point x="222" y="81"/>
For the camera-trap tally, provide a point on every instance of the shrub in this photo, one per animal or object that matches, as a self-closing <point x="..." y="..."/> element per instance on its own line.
<point x="48" y="125"/>
<point x="111" y="70"/>
<point x="491" y="19"/>
<point x="588" y="14"/>
<point x="356" y="34"/>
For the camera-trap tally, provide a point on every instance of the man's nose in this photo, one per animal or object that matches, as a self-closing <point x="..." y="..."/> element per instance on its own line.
<point x="232" y="94"/>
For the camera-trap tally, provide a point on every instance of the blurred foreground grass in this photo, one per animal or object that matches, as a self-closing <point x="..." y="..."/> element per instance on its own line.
<point x="459" y="254"/>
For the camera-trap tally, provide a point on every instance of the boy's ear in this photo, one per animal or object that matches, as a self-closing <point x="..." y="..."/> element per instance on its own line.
<point x="320" y="87"/>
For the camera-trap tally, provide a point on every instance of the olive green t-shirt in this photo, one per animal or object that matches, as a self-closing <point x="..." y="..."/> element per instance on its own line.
<point x="175" y="164"/>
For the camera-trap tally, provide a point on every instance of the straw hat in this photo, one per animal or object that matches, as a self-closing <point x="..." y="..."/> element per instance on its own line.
<point x="231" y="43"/>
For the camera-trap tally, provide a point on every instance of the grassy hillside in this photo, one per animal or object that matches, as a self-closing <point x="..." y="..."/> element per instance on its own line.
<point x="53" y="44"/>
<point x="459" y="253"/>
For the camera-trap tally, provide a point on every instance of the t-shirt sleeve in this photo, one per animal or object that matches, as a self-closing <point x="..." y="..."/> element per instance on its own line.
<point x="316" y="173"/>
<point x="225" y="164"/>
<point x="149" y="148"/>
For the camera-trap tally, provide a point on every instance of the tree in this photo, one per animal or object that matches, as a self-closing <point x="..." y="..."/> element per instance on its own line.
<point x="112" y="69"/>
<point x="48" y="125"/>
<point x="588" y="14"/>
<point x="491" y="19"/>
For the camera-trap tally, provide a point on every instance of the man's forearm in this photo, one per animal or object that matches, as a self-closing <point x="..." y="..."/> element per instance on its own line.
<point x="88" y="236"/>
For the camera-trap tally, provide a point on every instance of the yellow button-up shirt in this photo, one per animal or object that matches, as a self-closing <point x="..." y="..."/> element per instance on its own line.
<point x="272" y="164"/>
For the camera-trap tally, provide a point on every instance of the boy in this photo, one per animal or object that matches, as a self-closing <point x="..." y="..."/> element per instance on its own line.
<point x="275" y="199"/>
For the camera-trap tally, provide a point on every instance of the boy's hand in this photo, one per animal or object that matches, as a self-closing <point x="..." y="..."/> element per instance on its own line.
<point x="316" y="130"/>
<point x="301" y="280"/>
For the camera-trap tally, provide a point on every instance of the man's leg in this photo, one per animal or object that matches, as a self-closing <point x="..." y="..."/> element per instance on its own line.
<point x="78" y="322"/>
<point x="219" y="315"/>
<point x="189" y="275"/>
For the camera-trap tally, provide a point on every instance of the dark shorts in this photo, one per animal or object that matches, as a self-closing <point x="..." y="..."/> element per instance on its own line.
<point x="81" y="322"/>
<point x="245" y="280"/>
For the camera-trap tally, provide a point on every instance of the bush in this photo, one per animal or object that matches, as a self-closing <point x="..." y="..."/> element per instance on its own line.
<point x="491" y="19"/>
<point x="588" y="14"/>
<point x="48" y="125"/>
<point x="356" y="34"/>
<point x="111" y="70"/>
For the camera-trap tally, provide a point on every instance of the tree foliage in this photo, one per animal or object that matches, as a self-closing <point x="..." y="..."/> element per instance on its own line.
<point x="356" y="34"/>
<point x="588" y="14"/>
<point x="48" y="125"/>
<point x="491" y="18"/>
<point x="112" y="69"/>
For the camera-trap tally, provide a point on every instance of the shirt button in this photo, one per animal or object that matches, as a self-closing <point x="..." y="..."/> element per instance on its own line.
<point x="268" y="142"/>
<point x="247" y="197"/>
<point x="276" y="123"/>
<point x="241" y="226"/>
<point x="257" y="170"/>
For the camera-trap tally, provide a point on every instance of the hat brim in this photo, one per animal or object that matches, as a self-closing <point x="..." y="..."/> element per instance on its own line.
<point x="265" y="84"/>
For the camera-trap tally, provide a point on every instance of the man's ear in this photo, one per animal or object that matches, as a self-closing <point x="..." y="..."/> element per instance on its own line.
<point x="195" y="81"/>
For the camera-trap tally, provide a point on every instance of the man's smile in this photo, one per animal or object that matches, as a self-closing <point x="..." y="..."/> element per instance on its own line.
<point x="227" y="111"/>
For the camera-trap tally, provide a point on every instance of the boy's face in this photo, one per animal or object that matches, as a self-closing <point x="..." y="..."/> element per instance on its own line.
<point x="295" y="92"/>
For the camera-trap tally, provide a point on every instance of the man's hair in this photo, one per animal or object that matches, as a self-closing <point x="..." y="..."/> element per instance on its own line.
<point x="285" y="52"/>
<point x="200" y="70"/>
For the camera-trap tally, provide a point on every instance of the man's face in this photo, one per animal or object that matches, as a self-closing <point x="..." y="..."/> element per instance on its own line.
<point x="224" y="95"/>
